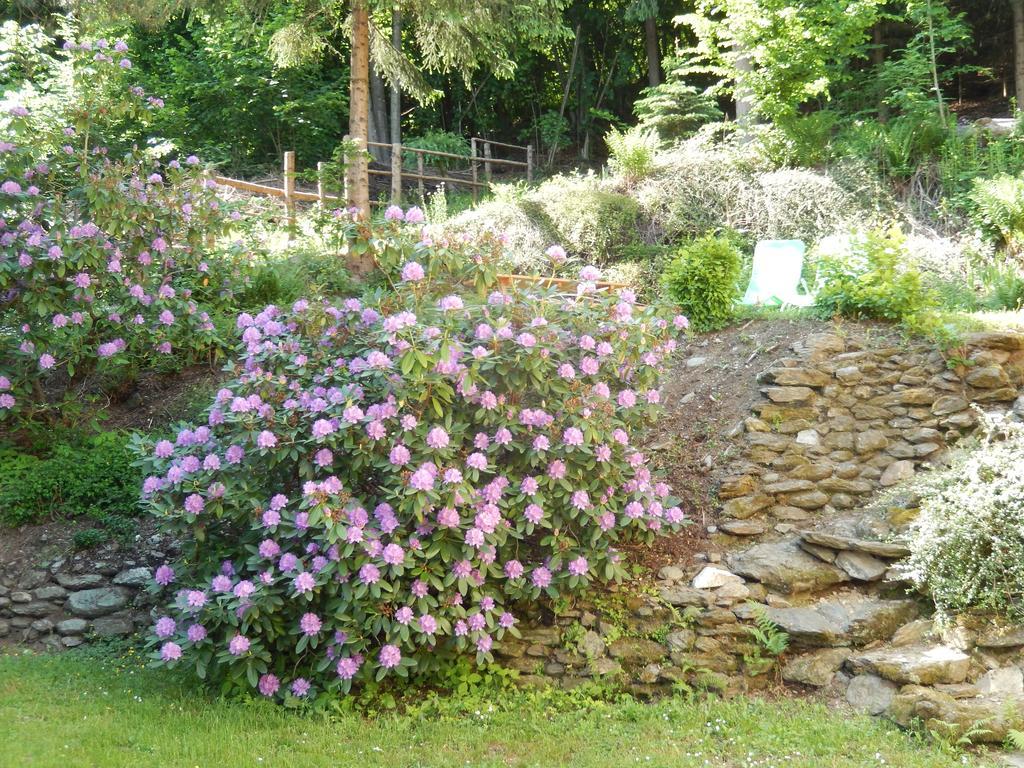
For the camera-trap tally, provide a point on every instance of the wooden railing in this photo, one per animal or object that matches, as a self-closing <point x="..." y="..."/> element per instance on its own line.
<point x="481" y="156"/>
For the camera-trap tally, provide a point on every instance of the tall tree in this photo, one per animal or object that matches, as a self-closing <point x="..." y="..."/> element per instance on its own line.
<point x="1017" y="7"/>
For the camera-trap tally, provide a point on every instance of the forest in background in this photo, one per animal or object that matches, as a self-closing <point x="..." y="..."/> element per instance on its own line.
<point x="244" y="80"/>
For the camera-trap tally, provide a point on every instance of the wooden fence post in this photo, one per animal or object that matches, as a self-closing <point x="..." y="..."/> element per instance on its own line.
<point x="288" y="173"/>
<point x="529" y="163"/>
<point x="472" y="164"/>
<point x="320" y="193"/>
<point x="419" y="171"/>
<point x="487" y="161"/>
<point x="396" y="174"/>
<point x="344" y="171"/>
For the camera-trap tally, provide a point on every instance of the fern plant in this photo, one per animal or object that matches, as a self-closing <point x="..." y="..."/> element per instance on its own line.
<point x="631" y="153"/>
<point x="766" y="633"/>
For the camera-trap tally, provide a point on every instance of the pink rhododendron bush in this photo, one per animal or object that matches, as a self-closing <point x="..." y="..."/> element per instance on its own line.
<point x="101" y="250"/>
<point x="384" y="481"/>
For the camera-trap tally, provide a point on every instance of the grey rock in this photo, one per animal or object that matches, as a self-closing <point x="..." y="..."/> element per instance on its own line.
<point x="914" y="664"/>
<point x="671" y="573"/>
<point x="742" y="527"/>
<point x="33" y="579"/>
<point x="42" y="626"/>
<point x="1003" y="681"/>
<point x="870" y="694"/>
<point x="712" y="578"/>
<point x="35" y="610"/>
<point x="592" y="644"/>
<point x="789" y="394"/>
<point x="954" y="718"/>
<point x="679" y="595"/>
<point x="861" y="566"/>
<point x="784" y="566"/>
<point x="695" y="362"/>
<point x="835" y="541"/>
<point x="112" y="626"/>
<point x="21" y="597"/>
<point x="843" y="620"/>
<point x="93" y="603"/>
<point x="71" y="641"/>
<point x="897" y="472"/>
<point x="80" y="580"/>
<point x="815" y="668"/>
<point x="948" y="404"/>
<point x="871" y="440"/>
<point x="134" y="577"/>
<point x="52" y="592"/>
<point x="680" y="641"/>
<point x="5" y="628"/>
<point x="1002" y="637"/>
<point x="72" y="626"/>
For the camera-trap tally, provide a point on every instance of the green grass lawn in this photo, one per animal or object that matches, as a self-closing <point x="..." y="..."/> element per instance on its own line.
<point x="80" y="710"/>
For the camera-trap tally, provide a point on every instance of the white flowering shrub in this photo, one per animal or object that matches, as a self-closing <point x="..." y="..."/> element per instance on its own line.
<point x="385" y="480"/>
<point x="968" y="543"/>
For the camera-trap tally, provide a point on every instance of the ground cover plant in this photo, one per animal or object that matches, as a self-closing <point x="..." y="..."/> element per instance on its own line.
<point x="110" y="711"/>
<point x="384" y="479"/>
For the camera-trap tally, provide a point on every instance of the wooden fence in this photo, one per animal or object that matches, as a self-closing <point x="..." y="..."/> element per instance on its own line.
<point x="481" y="157"/>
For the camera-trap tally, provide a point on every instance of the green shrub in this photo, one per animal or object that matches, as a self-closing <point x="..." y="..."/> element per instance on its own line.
<point x="438" y="141"/>
<point x="674" y="109"/>
<point x="873" y="280"/>
<point x="967" y="547"/>
<point x="589" y="219"/>
<point x="703" y="280"/>
<point x="94" y="477"/>
<point x="998" y="208"/>
<point x="631" y="153"/>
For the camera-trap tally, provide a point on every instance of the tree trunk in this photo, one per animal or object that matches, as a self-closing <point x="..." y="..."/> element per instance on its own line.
<point x="1018" y="51"/>
<point x="358" y="118"/>
<point x="378" y="115"/>
<point x="396" y="91"/>
<point x="878" y="61"/>
<point x="653" y="51"/>
<point x="744" y="99"/>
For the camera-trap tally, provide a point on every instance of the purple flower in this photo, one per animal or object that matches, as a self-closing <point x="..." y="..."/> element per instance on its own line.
<point x="393" y="213"/>
<point x="304" y="582"/>
<point x="437" y="438"/>
<point x="590" y="274"/>
<point x="581" y="500"/>
<point x="170" y="652"/>
<point x="194" y="504"/>
<point x="389" y="657"/>
<point x="513" y="569"/>
<point x="573" y="436"/>
<point x="244" y="589"/>
<point x="239" y="644"/>
<point x="196" y="633"/>
<point x="403" y="615"/>
<point x="533" y="513"/>
<point x="556" y="253"/>
<point x="348" y="667"/>
<point x="310" y="624"/>
<point x="269" y="684"/>
<point x="477" y="461"/>
<point x="393" y="554"/>
<point x="412" y="272"/>
<point x="428" y="624"/>
<point x="449" y="303"/>
<point x="369" y="574"/>
<point x="541" y="577"/>
<point x="579" y="566"/>
<point x="196" y="598"/>
<point x="300" y="687"/>
<point x="164" y="575"/>
<point x="422" y="479"/>
<point x="165" y="627"/>
<point x="322" y="428"/>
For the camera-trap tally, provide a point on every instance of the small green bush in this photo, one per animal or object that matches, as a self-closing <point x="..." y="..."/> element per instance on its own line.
<point x="94" y="477"/>
<point x="704" y="280"/>
<point x="437" y="141"/>
<point x="875" y="280"/>
<point x="967" y="547"/>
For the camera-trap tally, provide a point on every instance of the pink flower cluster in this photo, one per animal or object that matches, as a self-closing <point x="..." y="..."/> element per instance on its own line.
<point x="375" y="500"/>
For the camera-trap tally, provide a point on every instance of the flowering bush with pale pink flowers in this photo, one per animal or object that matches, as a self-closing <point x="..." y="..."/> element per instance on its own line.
<point x="384" y="482"/>
<point x="101" y="252"/>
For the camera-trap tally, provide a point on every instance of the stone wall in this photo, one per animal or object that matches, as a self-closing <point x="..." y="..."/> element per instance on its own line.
<point x="842" y="419"/>
<point x="805" y="542"/>
<point x="64" y="601"/>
